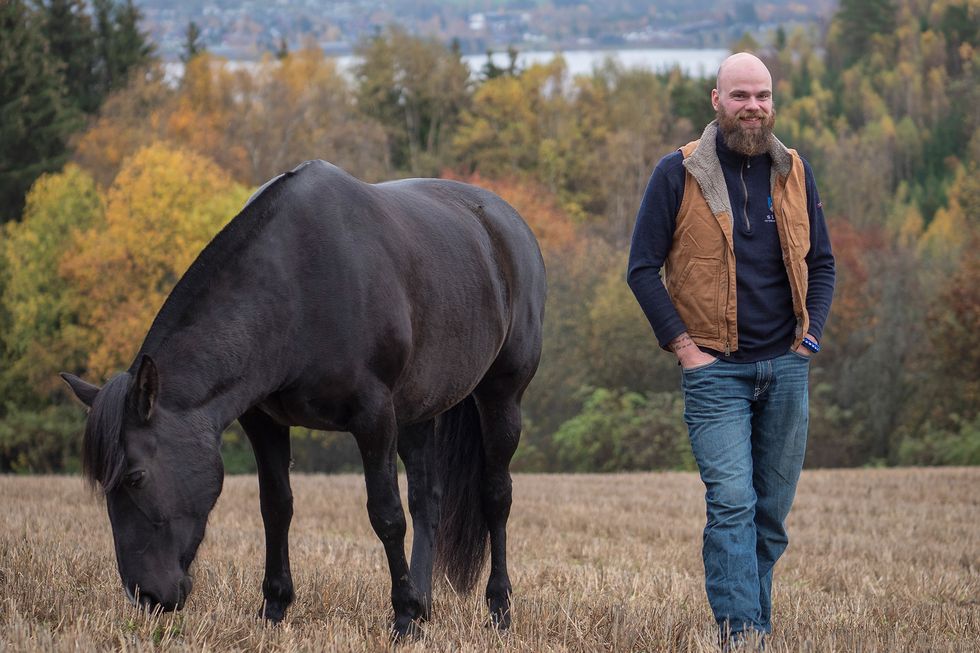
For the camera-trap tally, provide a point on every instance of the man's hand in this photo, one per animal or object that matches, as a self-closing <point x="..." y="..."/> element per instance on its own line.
<point x="688" y="353"/>
<point x="803" y="351"/>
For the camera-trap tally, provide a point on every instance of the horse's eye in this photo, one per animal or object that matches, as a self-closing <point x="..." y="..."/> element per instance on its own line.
<point x="135" y="478"/>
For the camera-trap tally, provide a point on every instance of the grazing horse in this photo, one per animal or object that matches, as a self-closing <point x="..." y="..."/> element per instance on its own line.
<point x="407" y="313"/>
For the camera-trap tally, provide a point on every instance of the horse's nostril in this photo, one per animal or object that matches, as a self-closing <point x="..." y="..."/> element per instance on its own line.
<point x="148" y="601"/>
<point x="184" y="590"/>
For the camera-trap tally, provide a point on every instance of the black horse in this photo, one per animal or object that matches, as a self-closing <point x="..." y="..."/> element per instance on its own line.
<point x="407" y="313"/>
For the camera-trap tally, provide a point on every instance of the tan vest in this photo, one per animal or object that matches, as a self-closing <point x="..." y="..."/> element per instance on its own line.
<point x="700" y="270"/>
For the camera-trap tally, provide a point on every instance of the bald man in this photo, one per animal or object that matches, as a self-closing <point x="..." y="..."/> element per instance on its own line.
<point x="734" y="221"/>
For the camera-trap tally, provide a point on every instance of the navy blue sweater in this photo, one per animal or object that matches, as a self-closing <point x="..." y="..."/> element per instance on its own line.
<point x="766" y="324"/>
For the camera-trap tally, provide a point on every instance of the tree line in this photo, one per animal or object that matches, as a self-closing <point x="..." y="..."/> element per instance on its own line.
<point x="882" y="104"/>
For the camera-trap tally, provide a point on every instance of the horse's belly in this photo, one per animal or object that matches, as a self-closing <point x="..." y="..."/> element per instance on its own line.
<point x="433" y="384"/>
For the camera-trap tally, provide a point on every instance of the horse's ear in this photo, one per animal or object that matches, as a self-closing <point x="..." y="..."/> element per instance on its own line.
<point x="147" y="388"/>
<point x="84" y="390"/>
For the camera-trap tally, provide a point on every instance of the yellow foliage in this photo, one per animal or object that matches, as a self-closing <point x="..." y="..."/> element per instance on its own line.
<point x="163" y="207"/>
<point x="510" y="116"/>
<point x="911" y="227"/>
<point x="42" y="337"/>
<point x="956" y="225"/>
<point x="129" y="119"/>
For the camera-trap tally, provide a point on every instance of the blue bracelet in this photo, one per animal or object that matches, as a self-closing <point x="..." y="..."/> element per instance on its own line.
<point x="812" y="345"/>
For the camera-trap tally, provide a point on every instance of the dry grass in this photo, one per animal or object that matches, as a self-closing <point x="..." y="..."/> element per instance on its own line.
<point x="880" y="560"/>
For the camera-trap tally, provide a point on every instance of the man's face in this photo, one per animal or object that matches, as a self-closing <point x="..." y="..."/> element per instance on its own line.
<point x="743" y="106"/>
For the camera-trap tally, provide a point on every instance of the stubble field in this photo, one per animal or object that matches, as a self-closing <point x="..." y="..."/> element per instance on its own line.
<point x="879" y="560"/>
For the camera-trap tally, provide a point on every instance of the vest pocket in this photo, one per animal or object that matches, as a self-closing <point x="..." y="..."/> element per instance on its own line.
<point x="697" y="294"/>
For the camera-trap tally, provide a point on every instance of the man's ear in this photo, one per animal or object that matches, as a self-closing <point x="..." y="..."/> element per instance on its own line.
<point x="84" y="390"/>
<point x="146" y="389"/>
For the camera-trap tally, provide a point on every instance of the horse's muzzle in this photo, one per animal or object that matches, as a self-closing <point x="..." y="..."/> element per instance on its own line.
<point x="151" y="601"/>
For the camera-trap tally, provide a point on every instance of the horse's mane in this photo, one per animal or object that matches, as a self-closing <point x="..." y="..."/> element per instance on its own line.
<point x="226" y="244"/>
<point x="103" y="457"/>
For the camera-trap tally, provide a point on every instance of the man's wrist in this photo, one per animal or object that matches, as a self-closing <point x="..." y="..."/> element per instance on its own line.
<point x="809" y="342"/>
<point x="687" y="351"/>
<point x="681" y="343"/>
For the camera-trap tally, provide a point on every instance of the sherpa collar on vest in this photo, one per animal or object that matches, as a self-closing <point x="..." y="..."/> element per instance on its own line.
<point x="704" y="165"/>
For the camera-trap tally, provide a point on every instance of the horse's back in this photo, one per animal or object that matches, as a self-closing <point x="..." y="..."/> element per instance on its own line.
<point x="425" y="281"/>
<point x="443" y="231"/>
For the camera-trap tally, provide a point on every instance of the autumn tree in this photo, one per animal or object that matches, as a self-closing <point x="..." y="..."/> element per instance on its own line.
<point x="497" y="135"/>
<point x="254" y="123"/>
<point x="42" y="336"/>
<point x="416" y="89"/>
<point x="40" y="319"/>
<point x="161" y="210"/>
<point x="131" y="118"/>
<point x="296" y="108"/>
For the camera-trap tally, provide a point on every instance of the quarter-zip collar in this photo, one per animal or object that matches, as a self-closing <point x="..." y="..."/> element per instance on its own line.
<point x="743" y="172"/>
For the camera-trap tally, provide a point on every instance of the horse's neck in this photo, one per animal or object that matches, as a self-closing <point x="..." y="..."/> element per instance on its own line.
<point x="217" y="331"/>
<point x="219" y="367"/>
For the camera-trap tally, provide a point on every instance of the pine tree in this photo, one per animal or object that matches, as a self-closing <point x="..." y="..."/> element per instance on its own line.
<point x="858" y="21"/>
<point x="131" y="48"/>
<point x="36" y="117"/>
<point x="283" y="50"/>
<point x="120" y="45"/>
<point x="68" y="29"/>
<point x="193" y="45"/>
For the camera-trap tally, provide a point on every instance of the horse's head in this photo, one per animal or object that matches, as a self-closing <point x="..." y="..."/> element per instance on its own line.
<point x="161" y="474"/>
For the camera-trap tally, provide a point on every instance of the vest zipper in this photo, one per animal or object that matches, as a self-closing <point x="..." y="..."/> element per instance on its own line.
<point x="745" y="195"/>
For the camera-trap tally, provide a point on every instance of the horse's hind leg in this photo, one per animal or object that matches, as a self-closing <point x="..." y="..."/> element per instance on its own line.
<point x="416" y="446"/>
<point x="270" y="443"/>
<point x="375" y="433"/>
<point x="500" y="421"/>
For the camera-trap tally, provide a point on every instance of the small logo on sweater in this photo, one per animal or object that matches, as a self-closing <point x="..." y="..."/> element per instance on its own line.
<point x="770" y="216"/>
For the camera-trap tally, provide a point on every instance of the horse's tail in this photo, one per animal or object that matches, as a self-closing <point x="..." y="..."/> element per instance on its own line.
<point x="461" y="539"/>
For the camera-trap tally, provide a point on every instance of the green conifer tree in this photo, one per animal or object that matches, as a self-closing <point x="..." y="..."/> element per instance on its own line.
<point x="36" y="117"/>
<point x="858" y="21"/>
<point x="193" y="45"/>
<point x="68" y="29"/>
<point x="131" y="48"/>
<point x="120" y="45"/>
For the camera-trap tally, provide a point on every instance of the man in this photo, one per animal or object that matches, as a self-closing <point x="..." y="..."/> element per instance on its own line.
<point x="736" y="224"/>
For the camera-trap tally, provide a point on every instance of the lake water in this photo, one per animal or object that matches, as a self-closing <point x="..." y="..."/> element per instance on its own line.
<point x="698" y="63"/>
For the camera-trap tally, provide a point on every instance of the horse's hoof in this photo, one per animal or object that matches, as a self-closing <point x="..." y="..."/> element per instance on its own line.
<point x="405" y="628"/>
<point x="500" y="616"/>
<point x="273" y="612"/>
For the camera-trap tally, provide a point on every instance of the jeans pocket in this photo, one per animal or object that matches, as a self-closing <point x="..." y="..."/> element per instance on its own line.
<point x="698" y="368"/>
<point x="799" y="355"/>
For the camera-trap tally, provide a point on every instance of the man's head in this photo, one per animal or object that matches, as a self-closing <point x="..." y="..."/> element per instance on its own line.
<point x="743" y="104"/>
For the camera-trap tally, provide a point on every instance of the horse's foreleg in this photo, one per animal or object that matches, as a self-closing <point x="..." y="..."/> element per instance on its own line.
<point x="376" y="440"/>
<point x="270" y="443"/>
<point x="416" y="445"/>
<point x="500" y="422"/>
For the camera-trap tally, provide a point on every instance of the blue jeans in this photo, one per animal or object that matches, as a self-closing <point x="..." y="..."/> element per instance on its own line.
<point x="747" y="423"/>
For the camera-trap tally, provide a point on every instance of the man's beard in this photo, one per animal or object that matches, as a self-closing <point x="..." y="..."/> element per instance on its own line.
<point x="750" y="142"/>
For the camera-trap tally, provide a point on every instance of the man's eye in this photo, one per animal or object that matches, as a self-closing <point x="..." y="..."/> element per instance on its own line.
<point x="135" y="478"/>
